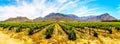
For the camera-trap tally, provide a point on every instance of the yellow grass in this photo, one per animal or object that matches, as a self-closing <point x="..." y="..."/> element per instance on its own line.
<point x="58" y="37"/>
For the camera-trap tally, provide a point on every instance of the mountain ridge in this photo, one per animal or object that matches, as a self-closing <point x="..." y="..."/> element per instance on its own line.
<point x="104" y="16"/>
<point x="57" y="17"/>
<point x="18" y="19"/>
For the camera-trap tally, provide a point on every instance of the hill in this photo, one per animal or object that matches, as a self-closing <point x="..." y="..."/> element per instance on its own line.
<point x="18" y="19"/>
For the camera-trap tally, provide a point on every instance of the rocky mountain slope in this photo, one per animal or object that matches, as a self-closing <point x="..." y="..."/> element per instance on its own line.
<point x="59" y="17"/>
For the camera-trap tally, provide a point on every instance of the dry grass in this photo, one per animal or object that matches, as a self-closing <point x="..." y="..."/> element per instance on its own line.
<point x="58" y="37"/>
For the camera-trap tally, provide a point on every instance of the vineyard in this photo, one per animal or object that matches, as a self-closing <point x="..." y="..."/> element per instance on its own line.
<point x="64" y="32"/>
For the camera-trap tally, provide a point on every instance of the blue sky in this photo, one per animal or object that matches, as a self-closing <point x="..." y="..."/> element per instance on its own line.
<point x="36" y="8"/>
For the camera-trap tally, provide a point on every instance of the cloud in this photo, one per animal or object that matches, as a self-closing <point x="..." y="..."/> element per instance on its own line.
<point x="36" y="8"/>
<point x="84" y="11"/>
<point x="118" y="8"/>
<point x="63" y="1"/>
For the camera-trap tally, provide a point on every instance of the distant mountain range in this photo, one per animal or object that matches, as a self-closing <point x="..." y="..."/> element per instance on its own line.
<point x="18" y="19"/>
<point x="58" y="17"/>
<point x="101" y="17"/>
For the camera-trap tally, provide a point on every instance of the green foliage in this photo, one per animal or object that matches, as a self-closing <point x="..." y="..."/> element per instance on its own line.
<point x="22" y="25"/>
<point x="108" y="29"/>
<point x="18" y="29"/>
<point x="30" y="31"/>
<point x="49" y="31"/>
<point x="68" y="27"/>
<point x="95" y="34"/>
<point x="5" y="26"/>
<point x="118" y="28"/>
<point x="69" y="30"/>
<point x="10" y="28"/>
<point x="72" y="35"/>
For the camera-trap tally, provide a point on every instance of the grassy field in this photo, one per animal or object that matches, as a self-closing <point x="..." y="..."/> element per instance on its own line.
<point x="59" y="32"/>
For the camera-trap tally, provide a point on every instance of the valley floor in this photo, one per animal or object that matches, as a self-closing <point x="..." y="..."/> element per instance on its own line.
<point x="58" y="37"/>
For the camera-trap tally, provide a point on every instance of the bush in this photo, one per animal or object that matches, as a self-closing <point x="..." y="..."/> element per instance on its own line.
<point x="72" y="35"/>
<point x="30" y="31"/>
<point x="10" y="28"/>
<point x="49" y="31"/>
<point x="110" y="31"/>
<point x="95" y="34"/>
<point x="18" y="29"/>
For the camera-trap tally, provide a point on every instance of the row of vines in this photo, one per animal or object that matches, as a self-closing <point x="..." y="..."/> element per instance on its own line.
<point x="95" y="26"/>
<point x="68" y="27"/>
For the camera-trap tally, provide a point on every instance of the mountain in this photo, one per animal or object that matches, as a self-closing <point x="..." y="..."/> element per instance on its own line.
<point x="40" y="19"/>
<point x="86" y="18"/>
<point x="73" y="16"/>
<point x="18" y="19"/>
<point x="101" y="17"/>
<point x="59" y="17"/>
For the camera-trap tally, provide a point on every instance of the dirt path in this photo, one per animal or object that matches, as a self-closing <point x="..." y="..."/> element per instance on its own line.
<point x="39" y="37"/>
<point x="9" y="37"/>
<point x="62" y="37"/>
<point x="5" y="39"/>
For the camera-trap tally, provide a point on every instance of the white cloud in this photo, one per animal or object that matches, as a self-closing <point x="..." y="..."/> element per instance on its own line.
<point x="39" y="8"/>
<point x="62" y="1"/>
<point x="84" y="11"/>
<point x="118" y="9"/>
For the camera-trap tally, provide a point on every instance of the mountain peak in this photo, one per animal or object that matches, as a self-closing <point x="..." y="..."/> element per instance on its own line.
<point x="55" y="15"/>
<point x="60" y="17"/>
<point x="105" y="14"/>
<point x="73" y="16"/>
